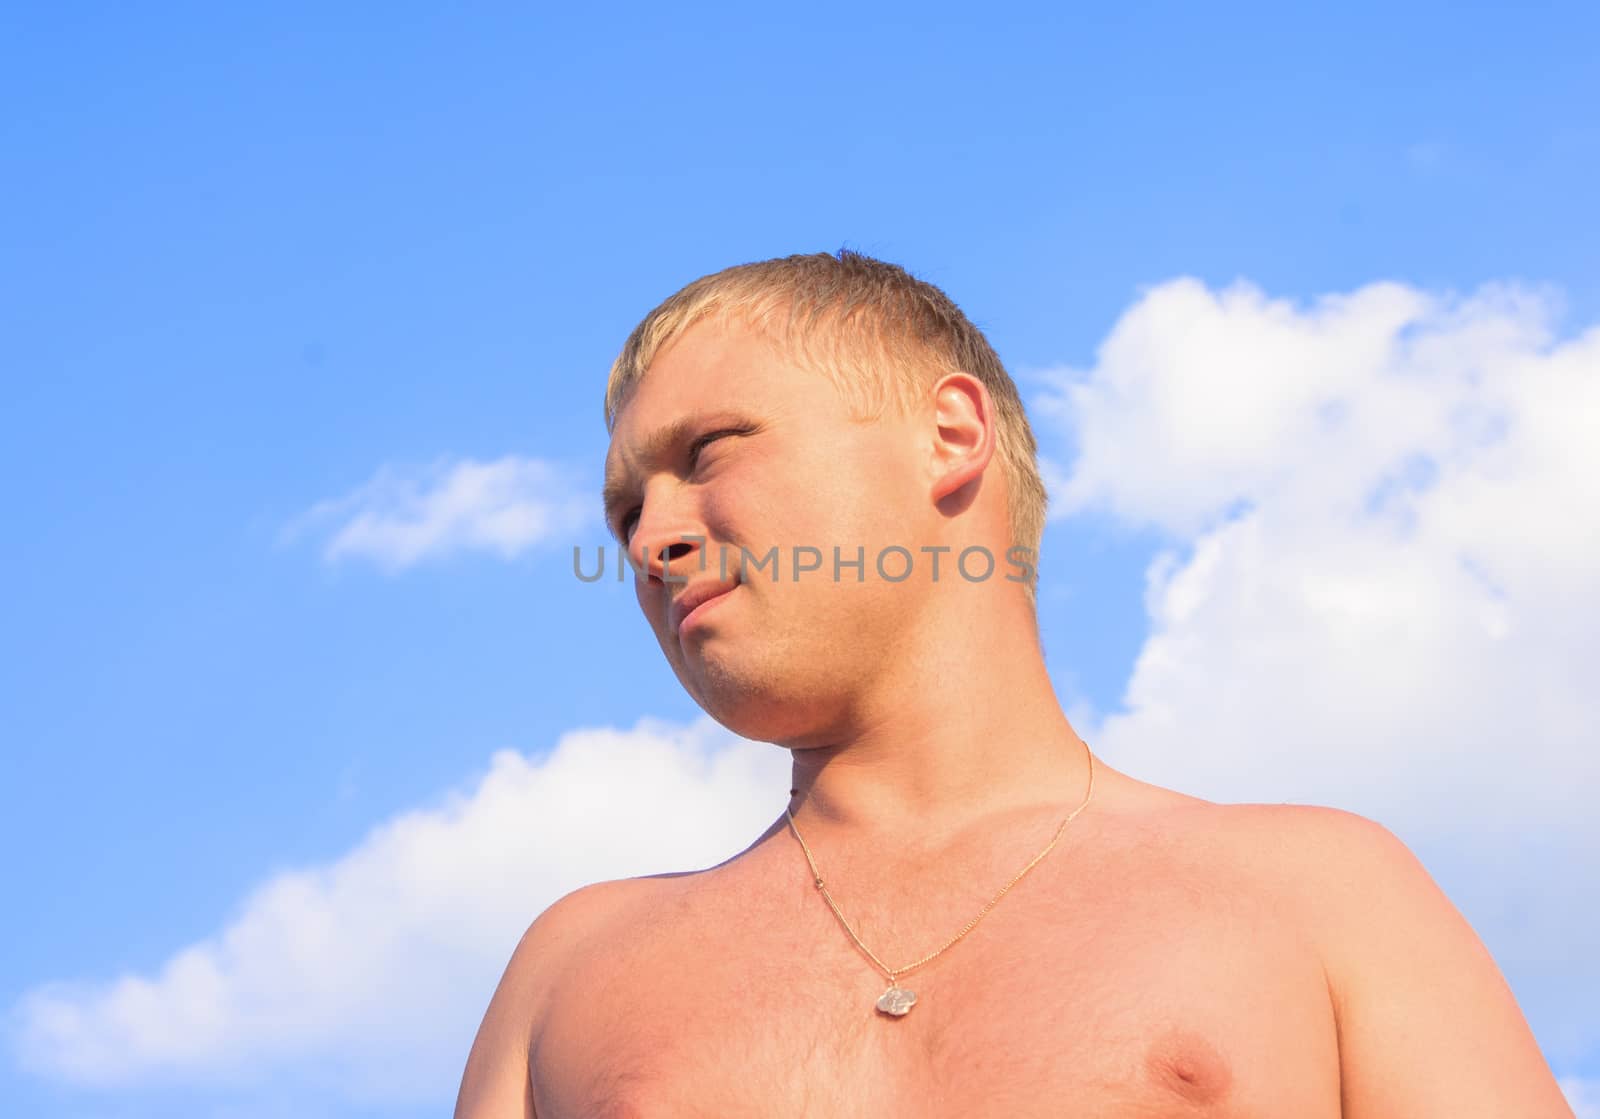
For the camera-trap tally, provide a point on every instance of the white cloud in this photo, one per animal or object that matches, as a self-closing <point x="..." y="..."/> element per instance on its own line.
<point x="1384" y="516"/>
<point x="1583" y="1096"/>
<point x="1379" y="594"/>
<point x="399" y="518"/>
<point x="370" y="973"/>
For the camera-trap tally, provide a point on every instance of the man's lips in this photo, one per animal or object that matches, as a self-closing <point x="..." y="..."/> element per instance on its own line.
<point x="694" y="597"/>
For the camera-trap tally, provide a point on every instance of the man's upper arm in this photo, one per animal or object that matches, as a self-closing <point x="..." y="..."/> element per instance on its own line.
<point x="1427" y="1025"/>
<point x="496" y="1083"/>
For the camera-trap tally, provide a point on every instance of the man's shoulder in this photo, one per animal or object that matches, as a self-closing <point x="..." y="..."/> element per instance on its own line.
<point x="1267" y="831"/>
<point x="1335" y="855"/>
<point x="1326" y="857"/>
<point x="1317" y="859"/>
<point x="496" y="1081"/>
<point x="1359" y="895"/>
<point x="576" y="921"/>
<point x="1410" y="983"/>
<point x="1355" y="880"/>
<point x="1325" y="837"/>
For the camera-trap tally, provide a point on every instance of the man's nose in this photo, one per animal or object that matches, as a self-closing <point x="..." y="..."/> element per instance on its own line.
<point x="666" y="549"/>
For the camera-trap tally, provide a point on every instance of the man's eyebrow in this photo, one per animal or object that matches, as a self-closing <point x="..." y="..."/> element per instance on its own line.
<point x="660" y="444"/>
<point x="612" y="495"/>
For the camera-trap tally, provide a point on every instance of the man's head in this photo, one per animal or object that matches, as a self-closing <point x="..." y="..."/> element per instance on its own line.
<point x="827" y="403"/>
<point x="879" y="334"/>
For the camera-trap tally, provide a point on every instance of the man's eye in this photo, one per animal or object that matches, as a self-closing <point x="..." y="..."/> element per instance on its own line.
<point x="627" y="521"/>
<point x="706" y="440"/>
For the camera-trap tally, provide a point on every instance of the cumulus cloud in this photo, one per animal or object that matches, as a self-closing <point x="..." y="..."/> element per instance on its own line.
<point x="401" y="517"/>
<point x="1376" y="592"/>
<point x="1382" y="511"/>
<point x="370" y="973"/>
<point x="1583" y="1096"/>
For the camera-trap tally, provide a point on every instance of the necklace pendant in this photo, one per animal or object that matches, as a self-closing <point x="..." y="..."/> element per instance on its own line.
<point x="897" y="1001"/>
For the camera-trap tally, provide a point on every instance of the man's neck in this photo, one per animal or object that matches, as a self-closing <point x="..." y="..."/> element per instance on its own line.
<point x="968" y="732"/>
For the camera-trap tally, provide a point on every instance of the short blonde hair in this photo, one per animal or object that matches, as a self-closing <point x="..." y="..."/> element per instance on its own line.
<point x="879" y="333"/>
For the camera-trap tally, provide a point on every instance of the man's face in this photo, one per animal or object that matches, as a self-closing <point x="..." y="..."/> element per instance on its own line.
<point x="728" y="440"/>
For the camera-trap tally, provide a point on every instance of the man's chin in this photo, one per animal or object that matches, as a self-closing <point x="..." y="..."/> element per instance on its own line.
<point x="750" y="707"/>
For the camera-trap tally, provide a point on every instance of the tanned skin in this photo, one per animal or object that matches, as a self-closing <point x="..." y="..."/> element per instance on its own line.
<point x="1171" y="957"/>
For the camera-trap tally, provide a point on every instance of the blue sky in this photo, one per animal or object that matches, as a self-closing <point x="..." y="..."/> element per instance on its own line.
<point x="253" y="259"/>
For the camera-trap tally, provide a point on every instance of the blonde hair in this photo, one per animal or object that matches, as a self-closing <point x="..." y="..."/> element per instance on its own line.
<point x="879" y="333"/>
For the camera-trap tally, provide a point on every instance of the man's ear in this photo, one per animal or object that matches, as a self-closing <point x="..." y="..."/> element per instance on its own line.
<point x="964" y="433"/>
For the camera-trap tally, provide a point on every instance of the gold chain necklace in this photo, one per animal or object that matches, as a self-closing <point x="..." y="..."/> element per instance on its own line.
<point x="897" y="1000"/>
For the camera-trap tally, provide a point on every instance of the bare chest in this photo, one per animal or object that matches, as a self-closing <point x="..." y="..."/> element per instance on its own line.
<point x="1167" y="1003"/>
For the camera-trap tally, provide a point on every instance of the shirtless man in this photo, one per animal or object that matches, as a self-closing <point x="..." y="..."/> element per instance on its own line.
<point x="1167" y="957"/>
